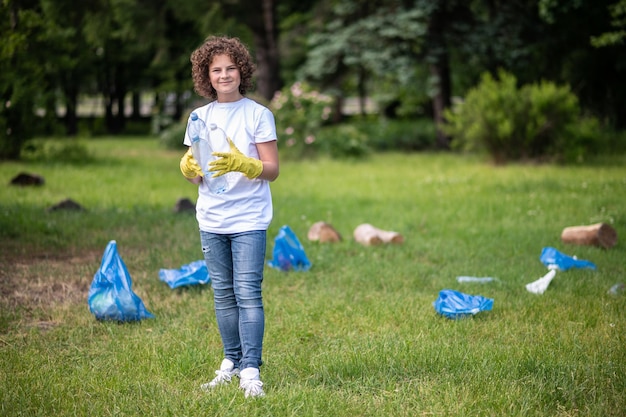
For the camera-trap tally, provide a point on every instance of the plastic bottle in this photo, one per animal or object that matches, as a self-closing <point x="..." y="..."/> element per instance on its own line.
<point x="617" y="289"/>
<point x="202" y="150"/>
<point x="482" y="280"/>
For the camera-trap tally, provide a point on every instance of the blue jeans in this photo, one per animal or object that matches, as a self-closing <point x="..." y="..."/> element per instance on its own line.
<point x="235" y="263"/>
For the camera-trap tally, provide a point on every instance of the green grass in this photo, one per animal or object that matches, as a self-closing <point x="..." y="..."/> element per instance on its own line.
<point x="357" y="335"/>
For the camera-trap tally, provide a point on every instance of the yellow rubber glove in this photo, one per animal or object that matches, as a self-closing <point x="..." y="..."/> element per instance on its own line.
<point x="235" y="161"/>
<point x="189" y="166"/>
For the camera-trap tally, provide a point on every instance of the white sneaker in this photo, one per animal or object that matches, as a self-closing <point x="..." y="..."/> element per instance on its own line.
<point x="250" y="383"/>
<point x="224" y="375"/>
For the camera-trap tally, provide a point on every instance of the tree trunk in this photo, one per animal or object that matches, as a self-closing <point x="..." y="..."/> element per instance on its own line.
<point x="120" y="122"/>
<point x="16" y="114"/>
<point x="71" y="118"/>
<point x="362" y="91"/>
<point x="600" y="234"/>
<point x="136" y="101"/>
<point x="440" y="72"/>
<point x="108" y="94"/>
<point x="71" y="107"/>
<point x="260" y="17"/>
<point x="266" y="47"/>
<point x="118" y="97"/>
<point x="108" y="114"/>
<point x="441" y="101"/>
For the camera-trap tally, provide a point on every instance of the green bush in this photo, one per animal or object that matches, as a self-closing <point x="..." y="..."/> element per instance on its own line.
<point x="342" y="141"/>
<point x="532" y="122"/>
<point x="399" y="134"/>
<point x="172" y="136"/>
<point x="56" y="150"/>
<point x="300" y="111"/>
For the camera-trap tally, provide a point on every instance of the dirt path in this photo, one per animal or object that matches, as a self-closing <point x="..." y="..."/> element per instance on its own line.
<point x="37" y="285"/>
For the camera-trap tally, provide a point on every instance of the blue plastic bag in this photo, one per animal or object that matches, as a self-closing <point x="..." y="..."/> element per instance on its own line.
<point x="455" y="305"/>
<point x="288" y="252"/>
<point x="111" y="296"/>
<point x="191" y="274"/>
<point x="552" y="258"/>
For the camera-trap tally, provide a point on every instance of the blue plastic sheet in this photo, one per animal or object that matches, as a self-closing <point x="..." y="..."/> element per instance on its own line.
<point x="455" y="305"/>
<point x="552" y="258"/>
<point x="111" y="296"/>
<point x="193" y="273"/>
<point x="288" y="252"/>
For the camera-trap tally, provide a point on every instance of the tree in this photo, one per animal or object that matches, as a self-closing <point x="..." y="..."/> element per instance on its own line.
<point x="438" y="59"/>
<point x="618" y="24"/>
<point x="69" y="59"/>
<point x="260" y="17"/>
<point x="362" y="39"/>
<point x="122" y="34"/>
<point x="595" y="74"/>
<point x="22" y="75"/>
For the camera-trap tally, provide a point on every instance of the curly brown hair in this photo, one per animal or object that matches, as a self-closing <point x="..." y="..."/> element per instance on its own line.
<point x="202" y="57"/>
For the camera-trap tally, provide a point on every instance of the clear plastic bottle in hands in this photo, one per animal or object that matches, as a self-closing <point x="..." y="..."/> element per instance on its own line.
<point x="202" y="152"/>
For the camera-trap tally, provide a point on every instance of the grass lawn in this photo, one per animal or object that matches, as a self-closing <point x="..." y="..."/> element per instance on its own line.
<point x="357" y="334"/>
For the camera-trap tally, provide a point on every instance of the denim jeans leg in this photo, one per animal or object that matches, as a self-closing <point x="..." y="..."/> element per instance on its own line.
<point x="218" y="257"/>
<point x="235" y="263"/>
<point x="248" y="251"/>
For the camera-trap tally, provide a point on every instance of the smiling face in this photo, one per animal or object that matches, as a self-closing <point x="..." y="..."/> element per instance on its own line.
<point x="205" y="56"/>
<point x="225" y="78"/>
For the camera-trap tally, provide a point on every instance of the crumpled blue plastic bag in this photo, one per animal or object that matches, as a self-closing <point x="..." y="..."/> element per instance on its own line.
<point x="552" y="258"/>
<point x="288" y="252"/>
<point x="111" y="296"/>
<point x="455" y="305"/>
<point x="193" y="273"/>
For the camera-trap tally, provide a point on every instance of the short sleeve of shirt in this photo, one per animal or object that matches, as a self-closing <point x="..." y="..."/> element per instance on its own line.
<point x="266" y="127"/>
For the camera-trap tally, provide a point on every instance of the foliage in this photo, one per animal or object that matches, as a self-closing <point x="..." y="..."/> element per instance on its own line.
<point x="54" y="51"/>
<point x="356" y="335"/>
<point x="383" y="39"/>
<point x="618" y="35"/>
<point x="416" y="134"/>
<point x="594" y="73"/>
<point x="62" y="151"/>
<point x="57" y="50"/>
<point x="342" y="141"/>
<point x="361" y="47"/>
<point x="21" y="77"/>
<point x="511" y="123"/>
<point x="359" y="137"/>
<point x="300" y="111"/>
<point x="172" y="136"/>
<point x="403" y="100"/>
<point x="587" y="137"/>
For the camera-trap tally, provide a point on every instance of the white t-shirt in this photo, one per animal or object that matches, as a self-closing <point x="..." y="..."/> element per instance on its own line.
<point x="247" y="204"/>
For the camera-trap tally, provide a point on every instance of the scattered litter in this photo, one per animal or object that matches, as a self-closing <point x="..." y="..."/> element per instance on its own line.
<point x="539" y="286"/>
<point x="599" y="234"/>
<point x="481" y="280"/>
<point x="554" y="259"/>
<point x="369" y="235"/>
<point x="617" y="289"/>
<point x="111" y="296"/>
<point x="288" y="252"/>
<point x="455" y="305"/>
<point x="323" y="232"/>
<point x="193" y="273"/>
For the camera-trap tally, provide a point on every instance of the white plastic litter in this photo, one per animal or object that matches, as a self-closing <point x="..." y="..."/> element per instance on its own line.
<point x="482" y="280"/>
<point x="539" y="286"/>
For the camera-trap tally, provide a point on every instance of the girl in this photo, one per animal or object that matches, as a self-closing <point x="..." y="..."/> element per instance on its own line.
<point x="233" y="224"/>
